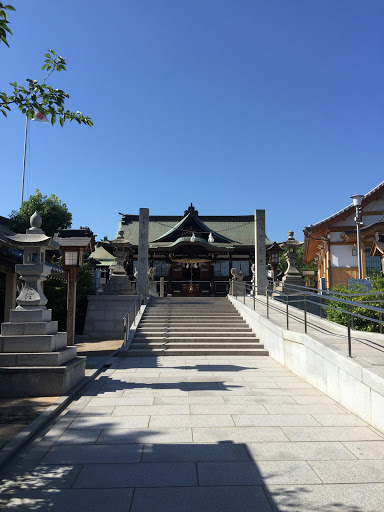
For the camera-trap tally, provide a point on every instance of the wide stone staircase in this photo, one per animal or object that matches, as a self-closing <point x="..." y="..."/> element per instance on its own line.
<point x="193" y="326"/>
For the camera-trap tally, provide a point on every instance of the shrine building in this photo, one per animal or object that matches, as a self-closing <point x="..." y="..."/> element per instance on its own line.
<point x="194" y="253"/>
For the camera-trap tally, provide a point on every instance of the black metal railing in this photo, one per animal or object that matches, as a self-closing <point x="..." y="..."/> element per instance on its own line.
<point x="302" y="296"/>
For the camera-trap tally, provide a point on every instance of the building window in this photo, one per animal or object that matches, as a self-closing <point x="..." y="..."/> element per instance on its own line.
<point x="221" y="269"/>
<point x="241" y="266"/>
<point x="372" y="264"/>
<point x="162" y="269"/>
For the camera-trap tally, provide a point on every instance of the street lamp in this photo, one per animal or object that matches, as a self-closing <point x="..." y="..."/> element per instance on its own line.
<point x="274" y="252"/>
<point x="357" y="204"/>
<point x="73" y="243"/>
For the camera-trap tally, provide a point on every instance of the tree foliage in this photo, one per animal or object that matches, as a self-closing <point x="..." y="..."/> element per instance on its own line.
<point x="35" y="96"/>
<point x="54" y="213"/>
<point x="360" y="324"/>
<point x="4" y="28"/>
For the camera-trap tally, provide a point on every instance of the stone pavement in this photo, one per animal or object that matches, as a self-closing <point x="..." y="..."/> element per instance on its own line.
<point x="200" y="434"/>
<point x="17" y="413"/>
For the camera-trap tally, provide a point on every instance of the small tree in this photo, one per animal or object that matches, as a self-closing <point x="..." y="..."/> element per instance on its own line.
<point x="54" y="213"/>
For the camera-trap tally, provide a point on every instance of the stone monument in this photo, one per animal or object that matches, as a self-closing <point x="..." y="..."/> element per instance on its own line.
<point x="260" y="253"/>
<point x="292" y="276"/>
<point x="142" y="263"/>
<point x="34" y="358"/>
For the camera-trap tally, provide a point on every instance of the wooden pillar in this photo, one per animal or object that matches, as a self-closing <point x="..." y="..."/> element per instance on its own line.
<point x="10" y="293"/>
<point x="71" y="304"/>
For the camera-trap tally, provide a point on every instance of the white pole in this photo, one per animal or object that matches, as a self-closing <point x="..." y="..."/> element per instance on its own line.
<point x="24" y="158"/>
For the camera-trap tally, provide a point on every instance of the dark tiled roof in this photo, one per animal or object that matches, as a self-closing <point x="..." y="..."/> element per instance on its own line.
<point x="239" y="228"/>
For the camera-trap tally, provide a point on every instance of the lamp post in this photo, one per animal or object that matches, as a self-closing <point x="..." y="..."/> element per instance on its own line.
<point x="73" y="244"/>
<point x="357" y="204"/>
<point x="274" y="252"/>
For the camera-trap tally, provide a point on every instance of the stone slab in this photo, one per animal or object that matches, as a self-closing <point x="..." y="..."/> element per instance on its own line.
<point x="330" y="434"/>
<point x="366" y="449"/>
<point x="238" y="434"/>
<point x="327" y="498"/>
<point x="30" y="315"/>
<point x="38" y="359"/>
<point x="134" y="435"/>
<point x="299" y="451"/>
<point x="94" y="454"/>
<point x="101" y="476"/>
<point x="194" y="452"/>
<point x="196" y="420"/>
<point x="32" y="381"/>
<point x="33" y="343"/>
<point x="350" y="471"/>
<point x="201" y="499"/>
<point x="97" y="500"/>
<point x="250" y="473"/>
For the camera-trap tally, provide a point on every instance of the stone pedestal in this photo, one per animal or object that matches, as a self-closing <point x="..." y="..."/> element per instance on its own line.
<point x="152" y="288"/>
<point x="34" y="357"/>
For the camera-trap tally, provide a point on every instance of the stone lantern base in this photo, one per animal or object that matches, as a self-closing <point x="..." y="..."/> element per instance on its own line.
<point x="34" y="358"/>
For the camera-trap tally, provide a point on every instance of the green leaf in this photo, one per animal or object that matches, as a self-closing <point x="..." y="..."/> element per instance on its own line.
<point x="61" y="121"/>
<point x="53" y="119"/>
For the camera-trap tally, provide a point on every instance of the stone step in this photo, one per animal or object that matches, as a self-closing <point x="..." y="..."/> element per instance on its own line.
<point x="194" y="334"/>
<point x="203" y="315"/>
<point x="186" y="327"/>
<point x="193" y="339"/>
<point x="39" y="359"/>
<point x="191" y="325"/>
<point x="27" y="381"/>
<point x="26" y="328"/>
<point x="197" y="352"/>
<point x="223" y="344"/>
<point x="32" y="343"/>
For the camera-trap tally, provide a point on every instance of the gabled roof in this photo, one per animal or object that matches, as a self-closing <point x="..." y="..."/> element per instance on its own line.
<point x="234" y="230"/>
<point x="186" y="227"/>
<point x="345" y="212"/>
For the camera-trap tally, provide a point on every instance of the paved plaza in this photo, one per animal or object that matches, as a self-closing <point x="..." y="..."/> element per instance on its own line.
<point x="209" y="434"/>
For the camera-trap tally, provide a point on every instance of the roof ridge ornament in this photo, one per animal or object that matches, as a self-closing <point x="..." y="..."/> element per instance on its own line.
<point x="191" y="209"/>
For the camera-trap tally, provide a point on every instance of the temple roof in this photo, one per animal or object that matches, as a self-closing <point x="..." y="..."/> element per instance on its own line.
<point x="164" y="230"/>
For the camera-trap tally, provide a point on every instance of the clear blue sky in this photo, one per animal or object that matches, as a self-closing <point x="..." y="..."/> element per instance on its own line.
<point x="231" y="104"/>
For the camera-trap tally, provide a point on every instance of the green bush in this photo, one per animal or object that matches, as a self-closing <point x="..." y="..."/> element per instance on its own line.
<point x="360" y="324"/>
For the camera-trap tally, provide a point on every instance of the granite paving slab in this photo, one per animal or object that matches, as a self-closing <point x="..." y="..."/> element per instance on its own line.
<point x="202" y="435"/>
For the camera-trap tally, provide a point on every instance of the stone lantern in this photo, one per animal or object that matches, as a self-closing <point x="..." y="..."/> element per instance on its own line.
<point x="34" y="357"/>
<point x="292" y="276"/>
<point x="119" y="283"/>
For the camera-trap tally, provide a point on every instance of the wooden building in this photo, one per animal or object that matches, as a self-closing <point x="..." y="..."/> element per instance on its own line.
<point x="194" y="253"/>
<point x="332" y="242"/>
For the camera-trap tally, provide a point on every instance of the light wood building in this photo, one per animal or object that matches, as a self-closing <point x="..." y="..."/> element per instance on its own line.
<point x="332" y="242"/>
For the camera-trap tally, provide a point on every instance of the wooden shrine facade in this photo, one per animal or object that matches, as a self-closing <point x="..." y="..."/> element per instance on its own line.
<point x="193" y="253"/>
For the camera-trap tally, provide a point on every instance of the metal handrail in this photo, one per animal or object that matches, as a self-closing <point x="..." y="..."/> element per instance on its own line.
<point x="127" y="323"/>
<point x="305" y="296"/>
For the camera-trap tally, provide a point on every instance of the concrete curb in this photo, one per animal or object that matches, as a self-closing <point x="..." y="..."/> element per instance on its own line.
<point x="21" y="439"/>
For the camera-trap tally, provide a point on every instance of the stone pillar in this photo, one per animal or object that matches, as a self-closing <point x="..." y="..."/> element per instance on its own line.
<point x="161" y="286"/>
<point x="10" y="293"/>
<point x="142" y="263"/>
<point x="260" y="253"/>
